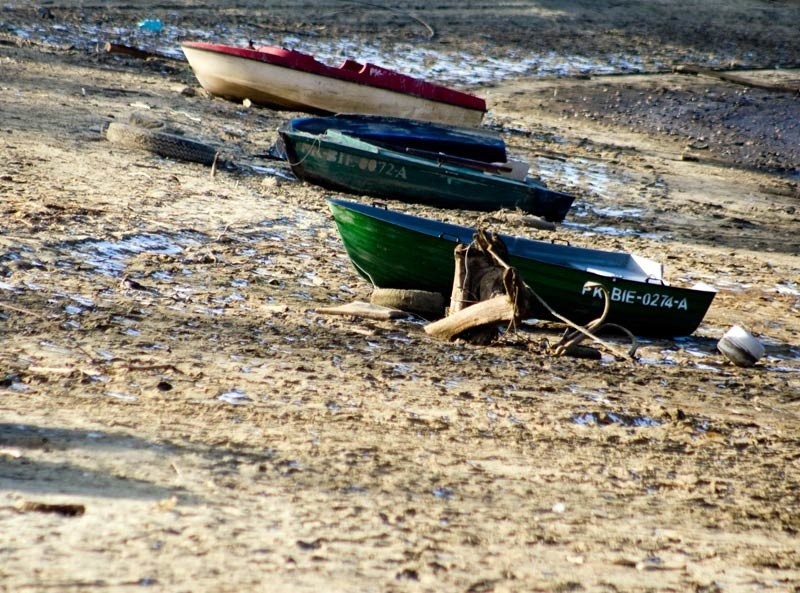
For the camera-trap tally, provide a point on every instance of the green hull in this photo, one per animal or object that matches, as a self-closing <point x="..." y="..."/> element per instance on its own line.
<point x="339" y="162"/>
<point x="394" y="250"/>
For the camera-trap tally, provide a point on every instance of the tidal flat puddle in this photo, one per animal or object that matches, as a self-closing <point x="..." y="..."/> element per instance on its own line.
<point x="110" y="257"/>
<point x="604" y="185"/>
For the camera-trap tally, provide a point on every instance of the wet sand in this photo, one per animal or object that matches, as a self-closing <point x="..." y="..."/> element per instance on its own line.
<point x="166" y="369"/>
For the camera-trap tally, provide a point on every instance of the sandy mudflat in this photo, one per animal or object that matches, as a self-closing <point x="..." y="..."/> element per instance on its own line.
<point x="164" y="367"/>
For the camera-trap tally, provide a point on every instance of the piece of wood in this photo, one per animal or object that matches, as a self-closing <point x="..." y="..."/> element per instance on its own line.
<point x="728" y="77"/>
<point x="20" y="310"/>
<point x="485" y="293"/>
<point x="489" y="312"/>
<point x="457" y="297"/>
<point x="135" y="52"/>
<point x="442" y="157"/>
<point x="362" y="309"/>
<point x="67" y="510"/>
<point x="414" y="301"/>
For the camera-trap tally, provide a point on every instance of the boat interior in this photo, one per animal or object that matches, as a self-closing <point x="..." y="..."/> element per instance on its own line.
<point x="611" y="264"/>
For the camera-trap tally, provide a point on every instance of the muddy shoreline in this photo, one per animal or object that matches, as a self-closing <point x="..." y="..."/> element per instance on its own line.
<point x="166" y="374"/>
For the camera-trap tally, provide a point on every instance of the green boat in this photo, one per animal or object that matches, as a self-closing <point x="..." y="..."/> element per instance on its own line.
<point x="337" y="161"/>
<point x="395" y="250"/>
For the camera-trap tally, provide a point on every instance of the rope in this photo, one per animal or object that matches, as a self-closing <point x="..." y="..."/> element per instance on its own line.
<point x="314" y="145"/>
<point x="574" y="339"/>
<point x="512" y="284"/>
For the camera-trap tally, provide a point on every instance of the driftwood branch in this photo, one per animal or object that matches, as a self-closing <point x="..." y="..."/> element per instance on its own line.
<point x="492" y="311"/>
<point x="365" y="310"/>
<point x="485" y="293"/>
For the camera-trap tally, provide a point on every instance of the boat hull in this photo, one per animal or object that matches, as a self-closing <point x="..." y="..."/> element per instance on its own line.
<point x="235" y="77"/>
<point x="395" y="250"/>
<point x="353" y="166"/>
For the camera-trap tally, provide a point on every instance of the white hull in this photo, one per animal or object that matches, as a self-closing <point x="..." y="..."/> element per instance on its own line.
<point x="286" y="88"/>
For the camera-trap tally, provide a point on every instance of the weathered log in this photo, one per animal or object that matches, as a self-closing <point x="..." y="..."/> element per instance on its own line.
<point x="422" y="302"/>
<point x="485" y="292"/>
<point x="489" y="312"/>
<point x="362" y="309"/>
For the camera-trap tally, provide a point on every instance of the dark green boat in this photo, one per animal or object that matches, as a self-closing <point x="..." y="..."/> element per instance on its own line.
<point x="341" y="162"/>
<point x="395" y="250"/>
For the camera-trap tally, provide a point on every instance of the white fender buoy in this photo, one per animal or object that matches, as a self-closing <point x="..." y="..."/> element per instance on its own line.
<point x="740" y="347"/>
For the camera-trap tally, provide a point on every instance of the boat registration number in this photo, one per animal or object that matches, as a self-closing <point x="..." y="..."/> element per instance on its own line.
<point x="366" y="164"/>
<point x="635" y="297"/>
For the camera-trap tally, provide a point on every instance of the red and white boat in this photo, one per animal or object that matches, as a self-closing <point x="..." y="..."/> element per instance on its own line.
<point x="286" y="79"/>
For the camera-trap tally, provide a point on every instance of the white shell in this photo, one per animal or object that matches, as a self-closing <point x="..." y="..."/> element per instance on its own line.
<point x="740" y="347"/>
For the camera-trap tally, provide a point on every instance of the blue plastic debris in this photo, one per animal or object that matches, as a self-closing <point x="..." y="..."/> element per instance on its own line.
<point x="151" y="25"/>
